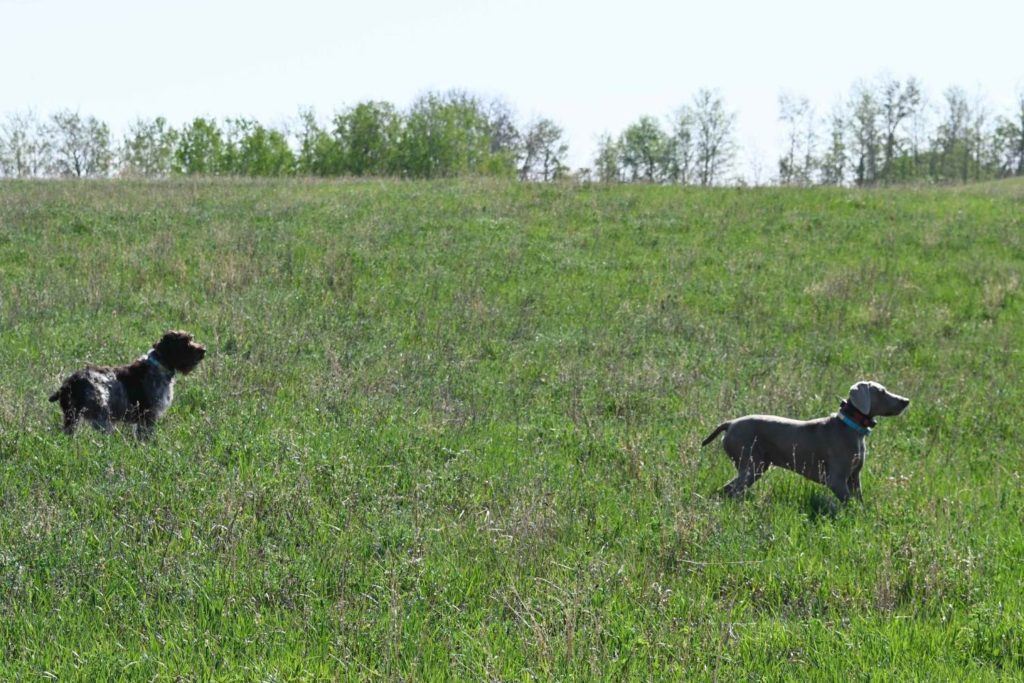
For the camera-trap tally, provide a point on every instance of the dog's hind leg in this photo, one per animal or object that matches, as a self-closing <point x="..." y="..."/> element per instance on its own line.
<point x="750" y="462"/>
<point x="101" y="421"/>
<point x="744" y="480"/>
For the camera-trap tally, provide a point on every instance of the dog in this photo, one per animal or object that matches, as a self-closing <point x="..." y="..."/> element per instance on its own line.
<point x="829" y="450"/>
<point x="136" y="394"/>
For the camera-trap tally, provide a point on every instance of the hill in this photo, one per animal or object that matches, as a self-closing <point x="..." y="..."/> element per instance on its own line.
<point x="452" y="429"/>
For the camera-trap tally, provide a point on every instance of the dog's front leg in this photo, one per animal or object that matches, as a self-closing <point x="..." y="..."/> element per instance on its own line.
<point x="854" y="484"/>
<point x="145" y="427"/>
<point x="70" y="422"/>
<point x="840" y="488"/>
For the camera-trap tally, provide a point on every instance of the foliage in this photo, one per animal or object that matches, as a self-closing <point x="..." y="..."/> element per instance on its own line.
<point x="699" y="150"/>
<point x="25" y="146"/>
<point x="798" y="164"/>
<point x="79" y="147"/>
<point x="543" y="152"/>
<point x="367" y="137"/>
<point x="319" y="154"/>
<point x="606" y="164"/>
<point x="148" y="149"/>
<point x="886" y="132"/>
<point x="250" y="149"/>
<point x="445" y="135"/>
<point x="884" y="135"/>
<point x="714" y="145"/>
<point x="644" y="149"/>
<point x="200" y="148"/>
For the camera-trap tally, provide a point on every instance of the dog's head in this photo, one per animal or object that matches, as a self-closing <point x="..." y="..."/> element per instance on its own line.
<point x="179" y="352"/>
<point x="872" y="399"/>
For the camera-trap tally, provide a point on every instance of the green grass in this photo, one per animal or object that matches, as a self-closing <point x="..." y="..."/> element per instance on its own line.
<point x="450" y="430"/>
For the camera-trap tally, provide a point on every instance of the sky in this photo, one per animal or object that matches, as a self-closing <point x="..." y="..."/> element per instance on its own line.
<point x="592" y="66"/>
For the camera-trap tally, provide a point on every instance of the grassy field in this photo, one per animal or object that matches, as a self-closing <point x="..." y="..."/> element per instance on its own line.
<point x="451" y="430"/>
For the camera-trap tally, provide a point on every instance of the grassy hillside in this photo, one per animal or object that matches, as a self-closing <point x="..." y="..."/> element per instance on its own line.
<point x="452" y="429"/>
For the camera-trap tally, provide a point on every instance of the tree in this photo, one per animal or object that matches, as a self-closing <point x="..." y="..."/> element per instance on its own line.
<point x="984" y="156"/>
<point x="444" y="135"/>
<point x="898" y="103"/>
<point x="918" y="132"/>
<point x="797" y="165"/>
<point x="606" y="163"/>
<point x="264" y="152"/>
<point x="319" y="153"/>
<point x="367" y="136"/>
<point x="644" y="150"/>
<point x="835" y="159"/>
<point x="543" y="152"/>
<point x="864" y="130"/>
<point x="1009" y="141"/>
<point x="81" y="147"/>
<point x="953" y="137"/>
<point x="24" y="148"/>
<point x="680" y="167"/>
<point x="148" y="148"/>
<point x="1005" y="147"/>
<point x="501" y="127"/>
<point x="506" y="141"/>
<point x="714" y="147"/>
<point x="200" y="148"/>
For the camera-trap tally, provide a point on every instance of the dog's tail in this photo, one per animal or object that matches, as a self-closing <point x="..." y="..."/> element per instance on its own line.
<point x="719" y="429"/>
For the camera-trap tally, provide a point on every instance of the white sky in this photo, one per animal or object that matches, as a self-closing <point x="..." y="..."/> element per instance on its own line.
<point x="591" y="65"/>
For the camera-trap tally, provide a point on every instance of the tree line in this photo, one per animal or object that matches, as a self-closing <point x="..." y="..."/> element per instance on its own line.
<point x="886" y="131"/>
<point x="699" y="147"/>
<point x="439" y="135"/>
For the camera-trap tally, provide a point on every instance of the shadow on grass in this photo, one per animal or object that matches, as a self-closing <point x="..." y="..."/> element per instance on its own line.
<point x="820" y="506"/>
<point x="816" y="502"/>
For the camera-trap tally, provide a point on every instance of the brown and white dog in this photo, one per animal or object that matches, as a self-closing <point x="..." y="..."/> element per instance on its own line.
<point x="137" y="394"/>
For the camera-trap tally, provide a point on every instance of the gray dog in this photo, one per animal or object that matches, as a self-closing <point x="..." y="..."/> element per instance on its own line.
<point x="829" y="450"/>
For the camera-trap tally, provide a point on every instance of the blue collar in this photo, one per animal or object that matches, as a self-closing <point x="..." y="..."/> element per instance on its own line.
<point x="151" y="359"/>
<point x="863" y="431"/>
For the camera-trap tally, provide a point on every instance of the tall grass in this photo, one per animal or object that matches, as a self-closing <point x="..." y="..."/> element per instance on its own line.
<point x="450" y="429"/>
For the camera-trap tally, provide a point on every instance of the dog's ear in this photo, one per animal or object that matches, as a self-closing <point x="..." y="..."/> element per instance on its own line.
<point x="860" y="396"/>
